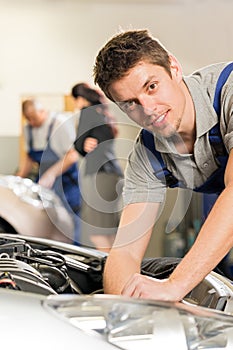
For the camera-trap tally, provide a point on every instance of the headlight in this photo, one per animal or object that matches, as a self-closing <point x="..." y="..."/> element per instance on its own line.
<point x="139" y="324"/>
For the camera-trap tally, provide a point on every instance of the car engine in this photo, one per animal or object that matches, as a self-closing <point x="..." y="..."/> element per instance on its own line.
<point x="47" y="267"/>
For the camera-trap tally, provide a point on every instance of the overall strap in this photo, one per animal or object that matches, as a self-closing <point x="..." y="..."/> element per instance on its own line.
<point x="215" y="138"/>
<point x="30" y="137"/>
<point x="156" y="160"/>
<point x="221" y="81"/>
<point x="30" y="140"/>
<point x="50" y="128"/>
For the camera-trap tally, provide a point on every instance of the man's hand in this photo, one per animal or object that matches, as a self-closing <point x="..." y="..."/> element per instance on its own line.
<point x="140" y="286"/>
<point x="90" y="144"/>
<point x="48" y="179"/>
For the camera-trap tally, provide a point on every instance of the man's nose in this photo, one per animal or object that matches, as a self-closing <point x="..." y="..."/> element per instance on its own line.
<point x="147" y="104"/>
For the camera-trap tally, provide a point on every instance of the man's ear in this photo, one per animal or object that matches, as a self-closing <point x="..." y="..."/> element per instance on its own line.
<point x="176" y="69"/>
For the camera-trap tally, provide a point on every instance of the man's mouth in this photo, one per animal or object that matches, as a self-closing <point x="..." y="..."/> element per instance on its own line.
<point x="159" y="120"/>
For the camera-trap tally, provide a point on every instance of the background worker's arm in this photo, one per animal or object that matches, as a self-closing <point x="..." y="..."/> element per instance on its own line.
<point x="214" y="241"/>
<point x="25" y="166"/>
<point x="132" y="238"/>
<point x="58" y="168"/>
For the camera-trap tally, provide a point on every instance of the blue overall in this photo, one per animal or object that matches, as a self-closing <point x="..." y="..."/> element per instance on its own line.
<point x="66" y="185"/>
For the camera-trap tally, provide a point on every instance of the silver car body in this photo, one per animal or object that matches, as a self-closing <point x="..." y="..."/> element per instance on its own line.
<point x="33" y="210"/>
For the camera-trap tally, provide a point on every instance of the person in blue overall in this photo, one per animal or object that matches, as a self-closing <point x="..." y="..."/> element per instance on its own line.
<point x="190" y="122"/>
<point x="49" y="143"/>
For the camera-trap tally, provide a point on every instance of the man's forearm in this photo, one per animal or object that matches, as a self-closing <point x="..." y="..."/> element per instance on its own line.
<point x="24" y="167"/>
<point x="118" y="269"/>
<point x="133" y="235"/>
<point x="213" y="242"/>
<point x="64" y="164"/>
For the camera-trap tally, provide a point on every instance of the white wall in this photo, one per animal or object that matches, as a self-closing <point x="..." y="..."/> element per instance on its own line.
<point x="48" y="45"/>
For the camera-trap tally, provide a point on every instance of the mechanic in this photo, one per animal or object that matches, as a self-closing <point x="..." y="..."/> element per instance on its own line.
<point x="49" y="140"/>
<point x="136" y="72"/>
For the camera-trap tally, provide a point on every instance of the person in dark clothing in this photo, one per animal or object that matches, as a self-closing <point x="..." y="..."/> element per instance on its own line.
<point x="101" y="175"/>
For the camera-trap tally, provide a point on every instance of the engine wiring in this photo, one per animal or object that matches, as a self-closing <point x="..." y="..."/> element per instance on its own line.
<point x="48" y="271"/>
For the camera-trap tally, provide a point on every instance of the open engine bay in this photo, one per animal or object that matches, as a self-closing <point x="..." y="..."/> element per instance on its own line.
<point x="47" y="267"/>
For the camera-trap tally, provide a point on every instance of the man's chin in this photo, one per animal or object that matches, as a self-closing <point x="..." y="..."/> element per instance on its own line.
<point x="165" y="132"/>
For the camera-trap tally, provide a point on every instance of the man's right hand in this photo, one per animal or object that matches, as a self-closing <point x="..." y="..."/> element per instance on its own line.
<point x="90" y="144"/>
<point x="140" y="286"/>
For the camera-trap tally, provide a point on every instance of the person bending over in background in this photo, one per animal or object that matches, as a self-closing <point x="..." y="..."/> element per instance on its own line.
<point x="49" y="141"/>
<point x="100" y="169"/>
<point x="179" y="115"/>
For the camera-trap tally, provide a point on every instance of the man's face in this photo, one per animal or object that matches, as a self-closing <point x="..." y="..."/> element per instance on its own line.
<point x="151" y="97"/>
<point x="34" y="117"/>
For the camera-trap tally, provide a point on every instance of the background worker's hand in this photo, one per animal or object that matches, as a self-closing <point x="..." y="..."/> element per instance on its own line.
<point x="140" y="286"/>
<point x="90" y="144"/>
<point x="47" y="179"/>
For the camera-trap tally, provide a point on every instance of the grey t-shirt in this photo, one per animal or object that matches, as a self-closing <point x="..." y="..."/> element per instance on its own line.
<point x="141" y="185"/>
<point x="62" y="136"/>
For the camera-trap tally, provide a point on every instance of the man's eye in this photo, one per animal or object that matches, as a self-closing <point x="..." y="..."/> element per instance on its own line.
<point x="152" y="86"/>
<point x="127" y="106"/>
<point x="131" y="105"/>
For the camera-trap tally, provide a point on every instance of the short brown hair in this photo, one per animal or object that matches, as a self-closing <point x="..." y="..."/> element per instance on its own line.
<point x="31" y="104"/>
<point x="123" y="52"/>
